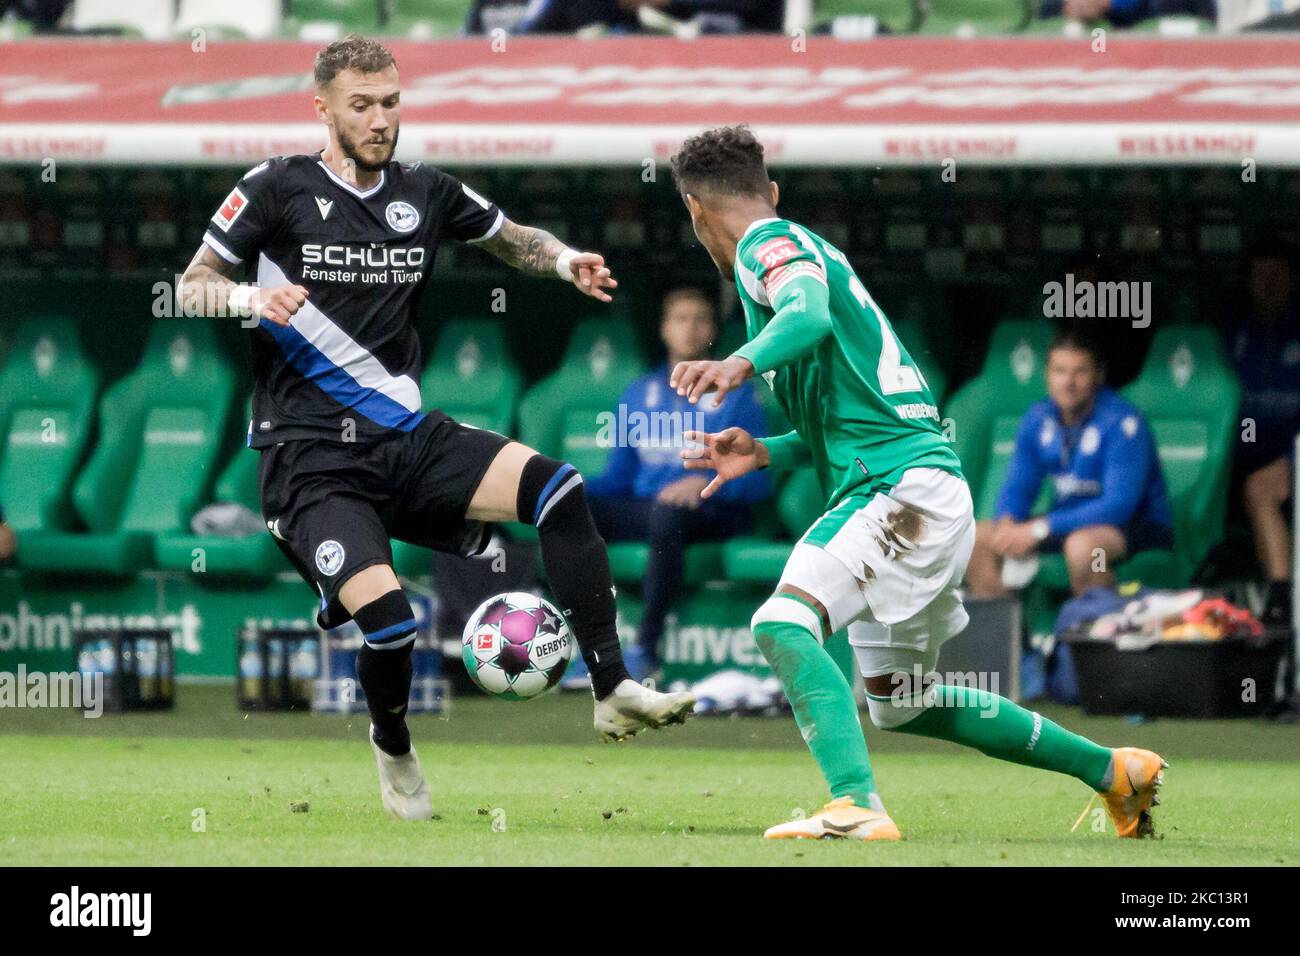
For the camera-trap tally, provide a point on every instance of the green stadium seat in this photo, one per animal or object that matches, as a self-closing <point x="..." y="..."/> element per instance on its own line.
<point x="976" y="17"/>
<point x="47" y="402"/>
<point x="160" y="429"/>
<point x="471" y="376"/>
<point x="561" y="415"/>
<point x="988" y="408"/>
<point x="255" y="556"/>
<point x="439" y="17"/>
<point x="1189" y="393"/>
<point x="1057" y="26"/>
<point x="359" y="16"/>
<point x="757" y="560"/>
<point x="899" y="16"/>
<point x="628" y="561"/>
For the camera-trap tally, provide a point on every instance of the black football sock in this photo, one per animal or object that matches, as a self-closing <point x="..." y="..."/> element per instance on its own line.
<point x="552" y="498"/>
<point x="384" y="667"/>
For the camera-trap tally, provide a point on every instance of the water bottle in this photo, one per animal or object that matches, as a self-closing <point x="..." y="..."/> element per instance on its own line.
<point x="250" y="672"/>
<point x="303" y="666"/>
<point x="146" y="669"/>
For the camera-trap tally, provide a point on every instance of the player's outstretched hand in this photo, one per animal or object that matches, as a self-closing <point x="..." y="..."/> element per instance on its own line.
<point x="280" y="303"/>
<point x="591" y="275"/>
<point x="694" y="379"/>
<point x="731" y="452"/>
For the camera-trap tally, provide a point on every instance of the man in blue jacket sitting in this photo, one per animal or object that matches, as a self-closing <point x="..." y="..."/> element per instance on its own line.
<point x="1109" y="497"/>
<point x="643" y="494"/>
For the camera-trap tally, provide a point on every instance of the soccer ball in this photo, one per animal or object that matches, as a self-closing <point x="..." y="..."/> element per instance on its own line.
<point x="516" y="645"/>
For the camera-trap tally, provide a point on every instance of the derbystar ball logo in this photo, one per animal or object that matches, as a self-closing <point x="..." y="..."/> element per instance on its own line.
<point x="230" y="210"/>
<point x="776" y="251"/>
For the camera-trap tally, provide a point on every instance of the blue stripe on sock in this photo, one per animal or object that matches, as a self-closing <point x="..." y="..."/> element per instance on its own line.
<point x="395" y="630"/>
<point x="551" y="485"/>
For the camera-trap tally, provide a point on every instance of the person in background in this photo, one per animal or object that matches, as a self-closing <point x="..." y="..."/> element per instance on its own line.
<point x="1265" y="347"/>
<point x="8" y="539"/>
<point x="43" y="15"/>
<point x="1109" y="493"/>
<point x="1125" y="13"/>
<point x="568" y="16"/>
<point x="642" y="494"/>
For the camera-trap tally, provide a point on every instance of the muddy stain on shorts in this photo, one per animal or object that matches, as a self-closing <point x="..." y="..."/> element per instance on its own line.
<point x="903" y="528"/>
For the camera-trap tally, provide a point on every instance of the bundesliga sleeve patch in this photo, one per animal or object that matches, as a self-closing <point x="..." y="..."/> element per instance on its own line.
<point x="230" y="210"/>
<point x="776" y="251"/>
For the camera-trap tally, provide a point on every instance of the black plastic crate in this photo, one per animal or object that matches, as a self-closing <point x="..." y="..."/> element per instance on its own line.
<point x="1181" y="678"/>
<point x="276" y="666"/>
<point x="137" y="664"/>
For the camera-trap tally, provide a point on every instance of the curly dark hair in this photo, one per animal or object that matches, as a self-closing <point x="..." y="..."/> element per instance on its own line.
<point x="727" y="160"/>
<point x="353" y="52"/>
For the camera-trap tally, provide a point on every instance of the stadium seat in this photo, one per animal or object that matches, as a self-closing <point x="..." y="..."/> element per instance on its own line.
<point x="152" y="19"/>
<point x="897" y="16"/>
<point x="1057" y="26"/>
<point x="562" y="415"/>
<point x="254" y="556"/>
<point x="160" y="429"/>
<point x="976" y="17"/>
<point x="471" y="376"/>
<point x="47" y="402"/>
<point x="349" y="16"/>
<point x="418" y="19"/>
<point x="254" y="19"/>
<point x="1189" y="393"/>
<point x="986" y="411"/>
<point x="628" y="561"/>
<point x="757" y="560"/>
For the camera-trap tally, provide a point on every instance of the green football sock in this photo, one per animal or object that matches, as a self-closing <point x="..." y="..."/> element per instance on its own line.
<point x="999" y="728"/>
<point x="824" y="708"/>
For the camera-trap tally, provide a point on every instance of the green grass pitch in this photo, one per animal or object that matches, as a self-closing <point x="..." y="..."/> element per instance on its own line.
<point x="529" y="783"/>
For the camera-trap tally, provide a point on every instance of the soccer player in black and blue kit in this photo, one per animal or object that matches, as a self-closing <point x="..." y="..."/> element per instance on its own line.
<point x="342" y="242"/>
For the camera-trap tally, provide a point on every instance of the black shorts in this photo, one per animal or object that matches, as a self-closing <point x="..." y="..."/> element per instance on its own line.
<point x="332" y="507"/>
<point x="1140" y="534"/>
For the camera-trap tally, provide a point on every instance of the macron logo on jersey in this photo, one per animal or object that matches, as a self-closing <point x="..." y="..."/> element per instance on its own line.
<point x="231" y="209"/>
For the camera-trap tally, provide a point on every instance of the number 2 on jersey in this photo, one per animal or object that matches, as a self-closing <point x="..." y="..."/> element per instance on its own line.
<point x="894" y="376"/>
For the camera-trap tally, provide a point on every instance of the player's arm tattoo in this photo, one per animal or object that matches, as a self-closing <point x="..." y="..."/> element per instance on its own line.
<point x="529" y="250"/>
<point x="206" y="285"/>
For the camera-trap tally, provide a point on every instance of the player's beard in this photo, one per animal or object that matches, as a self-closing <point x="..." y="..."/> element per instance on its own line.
<point x="349" y="147"/>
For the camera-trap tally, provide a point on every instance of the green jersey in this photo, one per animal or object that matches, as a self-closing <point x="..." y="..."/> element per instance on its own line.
<point x="860" y="406"/>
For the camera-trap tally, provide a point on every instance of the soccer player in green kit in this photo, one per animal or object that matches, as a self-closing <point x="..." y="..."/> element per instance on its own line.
<point x="887" y="557"/>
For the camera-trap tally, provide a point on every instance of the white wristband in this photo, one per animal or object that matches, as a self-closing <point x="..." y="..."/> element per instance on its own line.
<point x="240" y="300"/>
<point x="563" y="265"/>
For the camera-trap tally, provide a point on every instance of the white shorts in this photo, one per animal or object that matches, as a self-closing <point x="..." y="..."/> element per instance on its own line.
<point x="888" y="567"/>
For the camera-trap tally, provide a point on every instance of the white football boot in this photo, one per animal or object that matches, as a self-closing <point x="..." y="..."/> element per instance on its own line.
<point x="633" y="707"/>
<point x="401" y="784"/>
